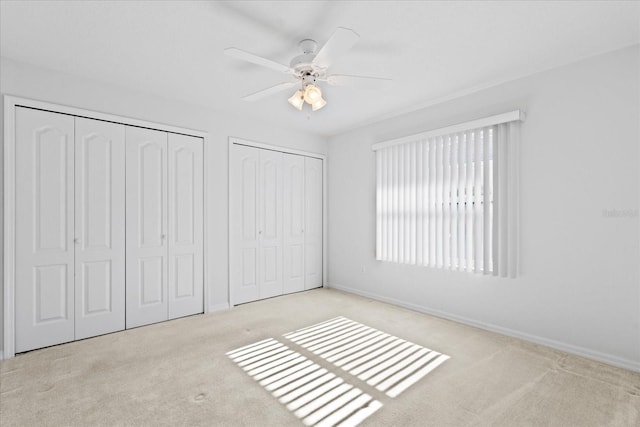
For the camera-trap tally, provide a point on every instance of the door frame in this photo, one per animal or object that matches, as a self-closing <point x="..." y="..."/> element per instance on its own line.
<point x="231" y="247"/>
<point x="10" y="104"/>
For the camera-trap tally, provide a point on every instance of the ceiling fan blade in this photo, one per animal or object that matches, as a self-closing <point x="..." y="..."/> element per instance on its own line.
<point x="364" y="82"/>
<point x="269" y="91"/>
<point x="255" y="59"/>
<point x="340" y="42"/>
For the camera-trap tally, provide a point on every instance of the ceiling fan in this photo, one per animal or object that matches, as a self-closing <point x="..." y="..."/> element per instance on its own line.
<point x="308" y="69"/>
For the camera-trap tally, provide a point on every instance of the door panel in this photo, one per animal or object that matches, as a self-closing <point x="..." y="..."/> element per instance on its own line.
<point x="151" y="278"/>
<point x="269" y="179"/>
<point x="185" y="286"/>
<point x="249" y="264"/>
<point x="151" y="185"/>
<point x="293" y="223"/>
<point x="51" y="293"/>
<point x="97" y="290"/>
<point x="50" y="169"/>
<point x="313" y="223"/>
<point x="186" y="238"/>
<point x="146" y="222"/>
<point x="99" y="227"/>
<point x="270" y="220"/>
<point x="44" y="229"/>
<point x="243" y="199"/>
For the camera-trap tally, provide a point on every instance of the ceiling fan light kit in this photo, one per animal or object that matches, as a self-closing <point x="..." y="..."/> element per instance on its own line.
<point x="308" y="69"/>
<point x="310" y="94"/>
<point x="297" y="100"/>
<point x="318" y="104"/>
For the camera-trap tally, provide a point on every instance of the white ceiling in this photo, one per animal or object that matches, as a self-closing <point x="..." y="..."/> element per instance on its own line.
<point x="431" y="50"/>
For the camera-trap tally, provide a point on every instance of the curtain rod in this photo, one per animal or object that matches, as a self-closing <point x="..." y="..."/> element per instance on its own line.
<point x="511" y="116"/>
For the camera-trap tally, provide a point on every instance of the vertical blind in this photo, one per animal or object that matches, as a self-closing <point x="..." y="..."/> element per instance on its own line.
<point x="449" y="200"/>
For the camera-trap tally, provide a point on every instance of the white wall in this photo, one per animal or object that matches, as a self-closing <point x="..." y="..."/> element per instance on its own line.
<point x="580" y="285"/>
<point x="36" y="83"/>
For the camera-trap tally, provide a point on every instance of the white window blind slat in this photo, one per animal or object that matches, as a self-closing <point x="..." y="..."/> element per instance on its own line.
<point x="382" y="239"/>
<point x="386" y="211"/>
<point x="406" y="197"/>
<point x="379" y="204"/>
<point x="446" y="209"/>
<point x="477" y="201"/>
<point x="394" y="205"/>
<point x="414" y="203"/>
<point x="401" y="207"/>
<point x="462" y="180"/>
<point x="408" y="214"/>
<point x="514" y="144"/>
<point x="439" y="192"/>
<point x="486" y="199"/>
<point x="502" y="197"/>
<point x="390" y="204"/>
<point x="494" y="198"/>
<point x="432" y="203"/>
<point x="468" y="209"/>
<point x="425" y="203"/>
<point x="453" y="226"/>
<point x="401" y="190"/>
<point x="420" y="197"/>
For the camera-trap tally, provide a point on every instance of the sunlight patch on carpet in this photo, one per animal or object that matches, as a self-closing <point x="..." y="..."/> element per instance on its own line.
<point x="311" y="392"/>
<point x="388" y="363"/>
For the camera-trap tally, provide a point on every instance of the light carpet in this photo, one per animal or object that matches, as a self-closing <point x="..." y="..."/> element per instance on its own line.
<point x="178" y="373"/>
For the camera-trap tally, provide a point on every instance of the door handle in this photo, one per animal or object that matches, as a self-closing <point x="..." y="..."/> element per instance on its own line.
<point x="76" y="240"/>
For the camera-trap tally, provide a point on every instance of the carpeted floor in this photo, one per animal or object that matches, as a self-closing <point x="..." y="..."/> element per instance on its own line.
<point x="178" y="373"/>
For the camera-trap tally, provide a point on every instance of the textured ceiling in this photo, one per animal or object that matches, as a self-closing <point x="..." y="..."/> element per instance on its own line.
<point x="431" y="50"/>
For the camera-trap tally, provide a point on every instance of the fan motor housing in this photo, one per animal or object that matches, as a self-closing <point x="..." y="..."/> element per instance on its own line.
<point x="308" y="79"/>
<point x="303" y="64"/>
<point x="302" y="61"/>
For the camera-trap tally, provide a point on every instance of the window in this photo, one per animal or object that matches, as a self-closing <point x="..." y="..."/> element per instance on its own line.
<point x="448" y="199"/>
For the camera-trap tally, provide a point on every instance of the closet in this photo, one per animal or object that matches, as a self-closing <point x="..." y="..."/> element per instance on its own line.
<point x="108" y="227"/>
<point x="164" y="226"/>
<point x="276" y="216"/>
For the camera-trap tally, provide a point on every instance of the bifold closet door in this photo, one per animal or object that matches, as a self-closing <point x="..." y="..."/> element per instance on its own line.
<point x="313" y="222"/>
<point x="256" y="207"/>
<point x="146" y="222"/>
<point x="243" y="199"/>
<point x="293" y="223"/>
<point x="185" y="262"/>
<point x="44" y="285"/>
<point x="270" y="224"/>
<point x="99" y="227"/>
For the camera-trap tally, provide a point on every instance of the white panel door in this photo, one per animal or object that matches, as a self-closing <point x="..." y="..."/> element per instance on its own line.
<point x="99" y="227"/>
<point x="243" y="199"/>
<point x="313" y="223"/>
<point x="44" y="229"/>
<point x="270" y="223"/>
<point x="185" y="262"/>
<point x="293" y="223"/>
<point x="146" y="221"/>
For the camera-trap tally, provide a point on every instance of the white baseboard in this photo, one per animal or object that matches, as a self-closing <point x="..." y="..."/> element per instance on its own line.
<point x="569" y="348"/>
<point x="218" y="307"/>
